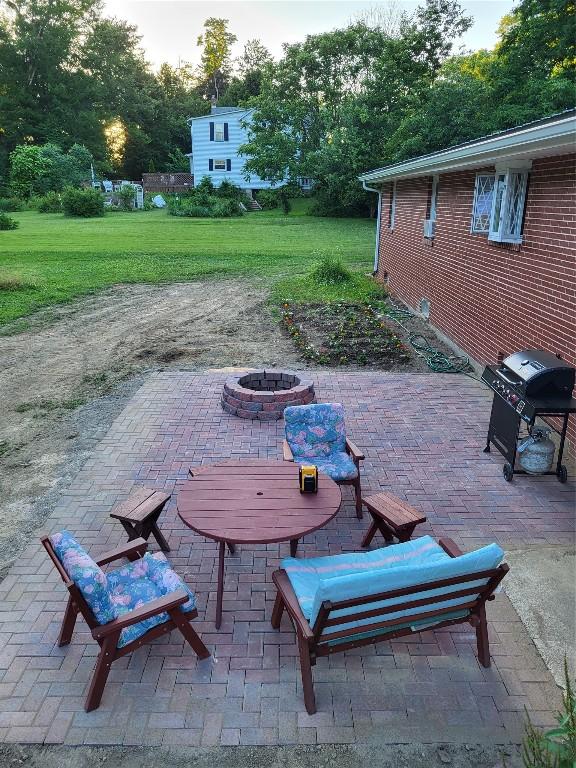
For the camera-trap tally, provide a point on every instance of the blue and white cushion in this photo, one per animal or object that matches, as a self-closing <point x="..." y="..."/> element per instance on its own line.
<point x="316" y="435"/>
<point x="343" y="577"/>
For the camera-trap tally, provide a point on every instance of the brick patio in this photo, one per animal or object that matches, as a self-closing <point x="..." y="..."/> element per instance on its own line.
<point x="423" y="436"/>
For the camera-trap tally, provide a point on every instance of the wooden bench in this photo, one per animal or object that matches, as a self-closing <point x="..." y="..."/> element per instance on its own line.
<point x="392" y="517"/>
<point x="139" y="514"/>
<point x="336" y="626"/>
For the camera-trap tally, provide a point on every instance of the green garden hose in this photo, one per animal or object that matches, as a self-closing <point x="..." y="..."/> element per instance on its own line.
<point x="436" y="360"/>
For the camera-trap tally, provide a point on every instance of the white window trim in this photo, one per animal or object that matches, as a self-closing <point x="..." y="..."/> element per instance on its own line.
<point x="216" y="162"/>
<point x="433" y="197"/>
<point x="219" y="132"/>
<point x="502" y="233"/>
<point x="476" y="230"/>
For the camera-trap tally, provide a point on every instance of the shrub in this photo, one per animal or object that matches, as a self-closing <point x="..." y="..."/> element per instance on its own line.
<point x="7" y="223"/>
<point x="125" y="196"/>
<point x="85" y="203"/>
<point x="48" y="203"/>
<point x="205" y="185"/>
<point x="9" y="204"/>
<point x="230" y="191"/>
<point x="226" y="208"/>
<point x="268" y="199"/>
<point x="201" y="204"/>
<point x="187" y="207"/>
<point x="555" y="748"/>
<point x="331" y="271"/>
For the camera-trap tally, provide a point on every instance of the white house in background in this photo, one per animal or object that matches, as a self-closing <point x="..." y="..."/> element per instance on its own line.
<point x="216" y="139"/>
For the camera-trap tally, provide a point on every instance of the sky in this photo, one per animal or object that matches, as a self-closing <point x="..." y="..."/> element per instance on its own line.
<point x="169" y="28"/>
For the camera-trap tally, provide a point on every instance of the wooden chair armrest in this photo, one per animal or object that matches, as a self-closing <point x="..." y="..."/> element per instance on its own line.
<point x="153" y="608"/>
<point x="450" y="547"/>
<point x="283" y="585"/>
<point x="134" y="547"/>
<point x="354" y="451"/>
<point x="287" y="451"/>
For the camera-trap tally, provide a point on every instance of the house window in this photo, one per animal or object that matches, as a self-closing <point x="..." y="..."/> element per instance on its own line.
<point x="482" y="207"/>
<point x="498" y="208"/>
<point x="392" y="206"/>
<point x="219" y="165"/>
<point x="508" y="208"/>
<point x="219" y="132"/>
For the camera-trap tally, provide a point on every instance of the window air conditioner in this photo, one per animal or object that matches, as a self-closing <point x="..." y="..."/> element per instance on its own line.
<point x="429" y="227"/>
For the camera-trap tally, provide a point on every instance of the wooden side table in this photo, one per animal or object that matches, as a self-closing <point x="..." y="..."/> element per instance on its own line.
<point x="392" y="517"/>
<point x="139" y="514"/>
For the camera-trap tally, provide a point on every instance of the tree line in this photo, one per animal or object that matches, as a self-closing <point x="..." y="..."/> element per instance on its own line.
<point x="386" y="87"/>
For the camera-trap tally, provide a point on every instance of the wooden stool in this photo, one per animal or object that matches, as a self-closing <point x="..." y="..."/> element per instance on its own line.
<point x="392" y="517"/>
<point x="139" y="515"/>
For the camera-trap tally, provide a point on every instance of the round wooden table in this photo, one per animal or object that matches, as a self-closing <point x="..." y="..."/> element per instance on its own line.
<point x="253" y="502"/>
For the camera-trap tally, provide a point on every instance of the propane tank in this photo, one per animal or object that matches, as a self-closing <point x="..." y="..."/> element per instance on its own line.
<point x="536" y="452"/>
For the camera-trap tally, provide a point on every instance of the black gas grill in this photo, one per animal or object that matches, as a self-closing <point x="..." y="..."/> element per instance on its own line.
<point x="526" y="385"/>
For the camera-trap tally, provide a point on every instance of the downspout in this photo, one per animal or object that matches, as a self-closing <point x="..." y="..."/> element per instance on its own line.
<point x="377" y="245"/>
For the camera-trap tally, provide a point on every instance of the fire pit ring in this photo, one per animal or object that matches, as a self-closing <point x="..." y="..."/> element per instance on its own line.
<point x="263" y="395"/>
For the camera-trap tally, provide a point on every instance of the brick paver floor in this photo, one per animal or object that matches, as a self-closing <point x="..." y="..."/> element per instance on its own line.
<point x="423" y="436"/>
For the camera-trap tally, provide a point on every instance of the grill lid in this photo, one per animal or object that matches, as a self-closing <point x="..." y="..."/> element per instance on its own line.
<point x="535" y="372"/>
<point x="531" y="363"/>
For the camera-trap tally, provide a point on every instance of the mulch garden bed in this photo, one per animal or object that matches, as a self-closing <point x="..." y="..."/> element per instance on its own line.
<point x="344" y="334"/>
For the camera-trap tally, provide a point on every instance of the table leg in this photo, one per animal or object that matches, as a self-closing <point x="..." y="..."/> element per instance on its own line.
<point x="220" y="588"/>
<point x="293" y="547"/>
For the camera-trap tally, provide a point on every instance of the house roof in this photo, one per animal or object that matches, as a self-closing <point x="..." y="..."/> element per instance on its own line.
<point x="220" y="111"/>
<point x="550" y="136"/>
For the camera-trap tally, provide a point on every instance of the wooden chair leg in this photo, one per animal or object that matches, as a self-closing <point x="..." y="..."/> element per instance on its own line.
<point x="158" y="535"/>
<point x="367" y="540"/>
<point x="405" y="534"/>
<point x="482" y="642"/>
<point x="277" y="611"/>
<point x="358" y="492"/>
<point x="68" y="623"/>
<point x="190" y="634"/>
<point x="306" y="671"/>
<point x="100" y="676"/>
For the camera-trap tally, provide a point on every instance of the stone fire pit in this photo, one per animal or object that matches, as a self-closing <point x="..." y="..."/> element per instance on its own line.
<point x="263" y="395"/>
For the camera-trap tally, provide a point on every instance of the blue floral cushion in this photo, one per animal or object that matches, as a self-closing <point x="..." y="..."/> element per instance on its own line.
<point x="339" y="466"/>
<point x="315" y="430"/>
<point x="140" y="582"/>
<point x="86" y="574"/>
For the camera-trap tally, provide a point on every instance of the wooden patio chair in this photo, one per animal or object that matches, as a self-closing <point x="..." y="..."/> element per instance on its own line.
<point x="347" y="601"/>
<point x="124" y="608"/>
<point x="315" y="434"/>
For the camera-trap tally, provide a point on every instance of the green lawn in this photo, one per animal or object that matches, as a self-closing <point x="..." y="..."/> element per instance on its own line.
<point x="51" y="259"/>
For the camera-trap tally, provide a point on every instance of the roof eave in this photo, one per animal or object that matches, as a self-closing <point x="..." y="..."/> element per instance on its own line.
<point x="523" y="145"/>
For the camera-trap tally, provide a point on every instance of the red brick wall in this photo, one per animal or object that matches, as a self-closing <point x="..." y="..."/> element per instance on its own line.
<point x="489" y="297"/>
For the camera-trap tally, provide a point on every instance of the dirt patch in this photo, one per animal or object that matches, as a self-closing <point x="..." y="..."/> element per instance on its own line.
<point x="294" y="756"/>
<point x="74" y="353"/>
<point x="344" y="334"/>
<point x="69" y="373"/>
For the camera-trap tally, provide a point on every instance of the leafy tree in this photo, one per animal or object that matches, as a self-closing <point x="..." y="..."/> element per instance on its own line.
<point x="27" y="165"/>
<point x="216" y="43"/>
<point x="252" y="67"/>
<point x="329" y="104"/>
